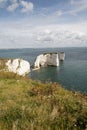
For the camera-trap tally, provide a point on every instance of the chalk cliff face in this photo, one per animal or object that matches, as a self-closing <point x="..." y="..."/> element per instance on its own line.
<point x="62" y="56"/>
<point x="19" y="66"/>
<point x="49" y="59"/>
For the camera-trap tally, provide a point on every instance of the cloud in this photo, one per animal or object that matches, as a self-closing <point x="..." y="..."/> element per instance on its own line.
<point x="13" y="7"/>
<point x="18" y="36"/>
<point x="27" y="6"/>
<point x="78" y="5"/>
<point x="59" y="13"/>
<point x="3" y="3"/>
<point x="78" y="2"/>
<point x="60" y="37"/>
<point x="13" y="1"/>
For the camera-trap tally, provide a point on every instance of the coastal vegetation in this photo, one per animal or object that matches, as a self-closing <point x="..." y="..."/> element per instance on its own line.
<point x="26" y="104"/>
<point x="3" y="64"/>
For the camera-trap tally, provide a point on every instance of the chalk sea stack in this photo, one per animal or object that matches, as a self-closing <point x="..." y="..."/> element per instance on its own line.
<point x="62" y="56"/>
<point x="46" y="59"/>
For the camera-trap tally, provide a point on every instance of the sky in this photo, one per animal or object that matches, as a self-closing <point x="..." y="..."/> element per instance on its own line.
<point x="43" y="23"/>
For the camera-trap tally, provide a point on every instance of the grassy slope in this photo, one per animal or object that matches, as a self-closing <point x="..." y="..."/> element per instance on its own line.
<point x="30" y="105"/>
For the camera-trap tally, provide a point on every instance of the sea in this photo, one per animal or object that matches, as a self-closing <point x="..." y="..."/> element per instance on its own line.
<point x="71" y="73"/>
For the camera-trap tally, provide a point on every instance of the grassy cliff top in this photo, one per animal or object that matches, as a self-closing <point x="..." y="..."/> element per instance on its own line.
<point x="26" y="104"/>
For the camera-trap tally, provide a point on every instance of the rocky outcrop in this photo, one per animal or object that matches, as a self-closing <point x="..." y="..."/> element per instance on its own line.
<point x="47" y="59"/>
<point x="62" y="56"/>
<point x="19" y="66"/>
<point x="22" y="67"/>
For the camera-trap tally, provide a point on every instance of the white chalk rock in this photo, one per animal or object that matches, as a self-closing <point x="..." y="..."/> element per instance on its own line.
<point x="19" y="66"/>
<point x="48" y="59"/>
<point x="62" y="56"/>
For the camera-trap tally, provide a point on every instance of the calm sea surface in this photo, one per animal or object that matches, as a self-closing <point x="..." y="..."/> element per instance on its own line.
<point x="72" y="73"/>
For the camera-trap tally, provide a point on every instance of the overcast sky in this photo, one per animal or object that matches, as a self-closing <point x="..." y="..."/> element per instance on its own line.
<point x="43" y="23"/>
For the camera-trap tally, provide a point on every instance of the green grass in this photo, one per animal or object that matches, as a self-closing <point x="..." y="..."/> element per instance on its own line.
<point x="26" y="104"/>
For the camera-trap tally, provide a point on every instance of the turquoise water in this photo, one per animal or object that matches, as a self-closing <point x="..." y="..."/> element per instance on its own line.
<point x="72" y="73"/>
